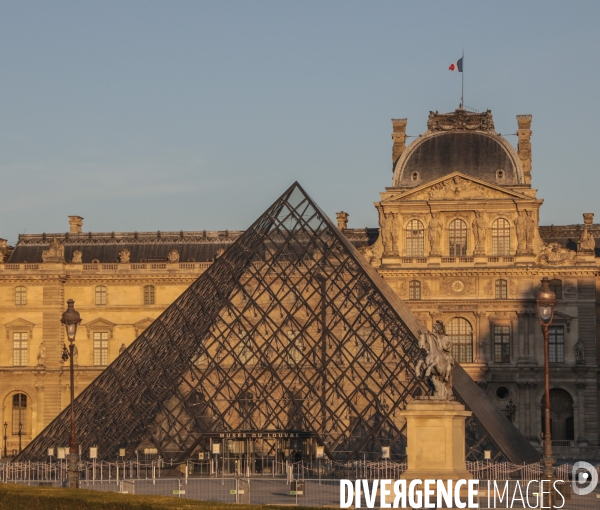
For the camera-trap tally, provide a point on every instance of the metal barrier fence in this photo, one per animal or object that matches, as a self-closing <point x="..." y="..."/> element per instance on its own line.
<point x="300" y="485"/>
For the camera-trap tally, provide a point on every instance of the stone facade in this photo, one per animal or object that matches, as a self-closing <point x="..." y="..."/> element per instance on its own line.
<point x="460" y="244"/>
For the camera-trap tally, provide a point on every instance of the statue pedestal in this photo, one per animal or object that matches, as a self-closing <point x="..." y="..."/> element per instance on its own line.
<point x="436" y="440"/>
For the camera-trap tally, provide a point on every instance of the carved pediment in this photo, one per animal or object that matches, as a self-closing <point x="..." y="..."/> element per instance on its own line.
<point x="99" y="325"/>
<point x="140" y="326"/>
<point x="457" y="186"/>
<point x="19" y="325"/>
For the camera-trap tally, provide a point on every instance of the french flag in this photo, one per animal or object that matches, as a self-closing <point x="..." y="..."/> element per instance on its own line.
<point x="457" y="66"/>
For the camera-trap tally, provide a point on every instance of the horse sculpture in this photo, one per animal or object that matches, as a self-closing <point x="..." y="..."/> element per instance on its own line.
<point x="438" y="363"/>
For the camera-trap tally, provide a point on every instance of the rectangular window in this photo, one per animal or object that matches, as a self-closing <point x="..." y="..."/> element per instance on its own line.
<point x="100" y="349"/>
<point x="20" y="349"/>
<point x="501" y="289"/>
<point x="414" y="290"/>
<point x="501" y="344"/>
<point x="149" y="295"/>
<point x="556" y="340"/>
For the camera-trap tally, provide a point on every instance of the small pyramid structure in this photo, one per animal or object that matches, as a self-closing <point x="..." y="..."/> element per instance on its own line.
<point x="289" y="333"/>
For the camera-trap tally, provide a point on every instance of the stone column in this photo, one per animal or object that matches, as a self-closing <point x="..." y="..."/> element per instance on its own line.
<point x="531" y="323"/>
<point x="520" y="335"/>
<point x="520" y="418"/>
<point x="581" y="440"/>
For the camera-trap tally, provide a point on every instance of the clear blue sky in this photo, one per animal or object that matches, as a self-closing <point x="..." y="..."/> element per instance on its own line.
<point x="145" y="115"/>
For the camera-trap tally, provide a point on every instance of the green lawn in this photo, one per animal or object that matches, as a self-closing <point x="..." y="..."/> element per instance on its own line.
<point x="22" y="497"/>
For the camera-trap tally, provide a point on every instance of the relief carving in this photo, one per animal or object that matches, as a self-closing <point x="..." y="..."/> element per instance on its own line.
<point x="173" y="256"/>
<point x="425" y="289"/>
<point x="553" y="254"/>
<point x="453" y="285"/>
<point x="402" y="288"/>
<point x="457" y="188"/>
<point x="54" y="253"/>
<point x="460" y="120"/>
<point x="487" y="288"/>
<point x="77" y="257"/>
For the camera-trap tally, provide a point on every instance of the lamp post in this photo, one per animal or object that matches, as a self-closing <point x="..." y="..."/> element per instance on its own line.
<point x="545" y="302"/>
<point x="71" y="319"/>
<point x="5" y="438"/>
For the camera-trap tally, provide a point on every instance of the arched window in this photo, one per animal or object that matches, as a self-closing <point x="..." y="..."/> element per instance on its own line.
<point x="501" y="289"/>
<point x="457" y="238"/>
<point x="414" y="290"/>
<point x="461" y="334"/>
<point x="415" y="239"/>
<point x="101" y="295"/>
<point x="561" y="415"/>
<point x="149" y="294"/>
<point x="19" y="414"/>
<point x="556" y="287"/>
<point x="501" y="237"/>
<point x="20" y="296"/>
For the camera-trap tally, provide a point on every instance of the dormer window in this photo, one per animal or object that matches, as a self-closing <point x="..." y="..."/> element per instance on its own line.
<point x="500" y="175"/>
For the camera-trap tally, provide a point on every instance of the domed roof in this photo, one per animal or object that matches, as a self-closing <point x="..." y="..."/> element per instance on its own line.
<point x="459" y="142"/>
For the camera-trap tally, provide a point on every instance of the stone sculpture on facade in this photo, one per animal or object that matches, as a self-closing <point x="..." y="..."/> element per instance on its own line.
<point x="173" y="256"/>
<point x="75" y="355"/>
<point x="521" y="230"/>
<point x="124" y="256"/>
<point x="41" y="357"/>
<point x="529" y="231"/>
<point x="121" y="349"/>
<point x="77" y="257"/>
<point x="479" y="228"/>
<point x="435" y="235"/>
<point x="579" y="352"/>
<point x="54" y="253"/>
<point x="586" y="242"/>
<point x="437" y="362"/>
<point x="386" y="227"/>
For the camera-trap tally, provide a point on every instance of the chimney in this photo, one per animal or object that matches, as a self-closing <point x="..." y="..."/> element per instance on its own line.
<point x="76" y="224"/>
<point x="399" y="138"/>
<point x="524" y="146"/>
<point x="342" y="219"/>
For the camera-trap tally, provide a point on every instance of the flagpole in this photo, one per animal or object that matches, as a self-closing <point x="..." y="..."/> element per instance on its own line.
<point x="462" y="92"/>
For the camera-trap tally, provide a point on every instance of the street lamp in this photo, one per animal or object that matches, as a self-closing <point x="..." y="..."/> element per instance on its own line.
<point x="71" y="319"/>
<point x="5" y="438"/>
<point x="545" y="302"/>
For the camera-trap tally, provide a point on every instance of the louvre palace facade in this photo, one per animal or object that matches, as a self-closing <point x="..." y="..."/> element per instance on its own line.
<point x="458" y="241"/>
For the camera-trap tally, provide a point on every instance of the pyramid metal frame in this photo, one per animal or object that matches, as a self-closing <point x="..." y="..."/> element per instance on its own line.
<point x="289" y="331"/>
